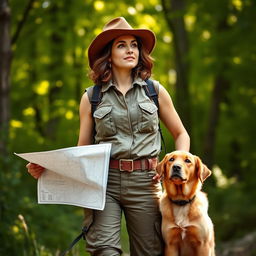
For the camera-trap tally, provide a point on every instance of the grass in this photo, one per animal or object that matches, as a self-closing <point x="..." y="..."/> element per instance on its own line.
<point x="31" y="246"/>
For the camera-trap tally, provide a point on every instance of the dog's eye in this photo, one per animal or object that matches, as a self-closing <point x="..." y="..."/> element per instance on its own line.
<point x="187" y="161"/>
<point x="171" y="159"/>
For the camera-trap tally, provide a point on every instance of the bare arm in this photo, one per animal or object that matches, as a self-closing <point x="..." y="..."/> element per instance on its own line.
<point x="86" y="122"/>
<point x="172" y="121"/>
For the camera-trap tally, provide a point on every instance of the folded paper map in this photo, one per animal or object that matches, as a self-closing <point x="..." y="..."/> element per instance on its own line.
<point x="74" y="176"/>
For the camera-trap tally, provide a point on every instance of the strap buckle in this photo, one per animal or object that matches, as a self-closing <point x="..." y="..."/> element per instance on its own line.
<point x="123" y="162"/>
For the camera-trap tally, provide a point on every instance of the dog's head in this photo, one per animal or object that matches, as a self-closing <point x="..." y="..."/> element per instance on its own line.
<point x="180" y="167"/>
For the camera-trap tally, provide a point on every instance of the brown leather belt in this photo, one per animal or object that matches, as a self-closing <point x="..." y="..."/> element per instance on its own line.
<point x="130" y="165"/>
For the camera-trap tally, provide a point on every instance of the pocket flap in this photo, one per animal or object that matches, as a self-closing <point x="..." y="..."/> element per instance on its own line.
<point x="102" y="111"/>
<point x="148" y="107"/>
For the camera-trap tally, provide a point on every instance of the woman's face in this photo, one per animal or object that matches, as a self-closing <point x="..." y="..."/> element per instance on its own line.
<point x="124" y="53"/>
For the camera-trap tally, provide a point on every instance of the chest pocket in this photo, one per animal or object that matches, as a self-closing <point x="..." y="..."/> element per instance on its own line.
<point x="104" y="124"/>
<point x="148" y="117"/>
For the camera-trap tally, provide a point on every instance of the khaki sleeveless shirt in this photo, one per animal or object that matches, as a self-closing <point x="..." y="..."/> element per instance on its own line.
<point x="129" y="122"/>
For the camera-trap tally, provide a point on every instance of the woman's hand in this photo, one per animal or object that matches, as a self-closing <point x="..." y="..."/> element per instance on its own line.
<point x="157" y="177"/>
<point x="35" y="170"/>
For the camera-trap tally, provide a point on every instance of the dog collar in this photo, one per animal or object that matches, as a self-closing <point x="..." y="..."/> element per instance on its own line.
<point x="183" y="202"/>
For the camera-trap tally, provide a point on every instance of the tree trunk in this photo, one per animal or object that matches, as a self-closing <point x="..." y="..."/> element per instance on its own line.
<point x="219" y="91"/>
<point x="5" y="65"/>
<point x="57" y="59"/>
<point x="221" y="86"/>
<point x="174" y="14"/>
<point x="5" y="60"/>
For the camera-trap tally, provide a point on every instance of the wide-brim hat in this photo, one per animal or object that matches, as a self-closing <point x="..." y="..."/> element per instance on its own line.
<point x="115" y="28"/>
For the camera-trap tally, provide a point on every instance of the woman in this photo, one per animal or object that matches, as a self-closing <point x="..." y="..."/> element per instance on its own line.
<point x="120" y="62"/>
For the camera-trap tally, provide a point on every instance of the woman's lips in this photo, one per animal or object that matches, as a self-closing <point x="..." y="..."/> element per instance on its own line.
<point x="129" y="58"/>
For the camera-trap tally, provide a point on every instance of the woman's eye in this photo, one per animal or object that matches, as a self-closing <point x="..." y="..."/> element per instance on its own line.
<point x="134" y="45"/>
<point x="120" y="46"/>
<point x="171" y="159"/>
<point x="187" y="160"/>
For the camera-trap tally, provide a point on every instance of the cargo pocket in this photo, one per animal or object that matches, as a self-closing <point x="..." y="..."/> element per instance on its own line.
<point x="104" y="124"/>
<point x="148" y="117"/>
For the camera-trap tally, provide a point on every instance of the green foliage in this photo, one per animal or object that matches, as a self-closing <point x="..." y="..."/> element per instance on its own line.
<point x="49" y="75"/>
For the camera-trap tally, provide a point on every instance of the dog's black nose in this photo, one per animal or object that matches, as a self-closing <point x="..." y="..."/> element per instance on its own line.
<point x="176" y="168"/>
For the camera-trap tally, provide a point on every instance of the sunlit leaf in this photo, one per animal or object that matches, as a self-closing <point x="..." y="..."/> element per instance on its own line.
<point x="69" y="115"/>
<point x="131" y="10"/>
<point x="16" y="123"/>
<point x="15" y="229"/>
<point x="29" y="111"/>
<point x="206" y="35"/>
<point x="238" y="4"/>
<point x="42" y="87"/>
<point x="190" y="21"/>
<point x="237" y="60"/>
<point x="99" y="5"/>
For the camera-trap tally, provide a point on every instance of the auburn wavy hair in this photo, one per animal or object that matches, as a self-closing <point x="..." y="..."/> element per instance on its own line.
<point x="101" y="72"/>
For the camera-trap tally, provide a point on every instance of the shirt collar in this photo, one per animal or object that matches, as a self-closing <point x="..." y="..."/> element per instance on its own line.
<point x="105" y="87"/>
<point x="137" y="81"/>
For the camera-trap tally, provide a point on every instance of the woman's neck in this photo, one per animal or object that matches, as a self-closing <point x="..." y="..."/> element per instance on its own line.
<point x="123" y="80"/>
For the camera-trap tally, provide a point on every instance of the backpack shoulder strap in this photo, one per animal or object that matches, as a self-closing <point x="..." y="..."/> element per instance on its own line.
<point x="151" y="92"/>
<point x="96" y="97"/>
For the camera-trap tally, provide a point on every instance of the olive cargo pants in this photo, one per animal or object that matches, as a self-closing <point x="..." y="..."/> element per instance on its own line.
<point x="137" y="195"/>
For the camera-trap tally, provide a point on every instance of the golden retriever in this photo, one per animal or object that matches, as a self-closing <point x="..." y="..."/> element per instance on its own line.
<point x="186" y="227"/>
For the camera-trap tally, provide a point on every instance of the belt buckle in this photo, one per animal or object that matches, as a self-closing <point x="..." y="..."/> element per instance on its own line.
<point x="125" y="160"/>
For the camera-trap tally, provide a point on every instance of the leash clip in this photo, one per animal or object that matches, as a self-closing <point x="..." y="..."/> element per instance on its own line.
<point x="82" y="235"/>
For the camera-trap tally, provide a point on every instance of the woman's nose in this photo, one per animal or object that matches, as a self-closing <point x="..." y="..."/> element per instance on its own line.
<point x="129" y="49"/>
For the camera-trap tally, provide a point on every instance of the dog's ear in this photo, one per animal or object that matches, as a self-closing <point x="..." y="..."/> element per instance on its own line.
<point x="161" y="166"/>
<point x="203" y="171"/>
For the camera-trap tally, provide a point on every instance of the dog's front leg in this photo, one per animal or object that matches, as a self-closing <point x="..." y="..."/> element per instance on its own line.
<point x="171" y="250"/>
<point x="171" y="235"/>
<point x="204" y="250"/>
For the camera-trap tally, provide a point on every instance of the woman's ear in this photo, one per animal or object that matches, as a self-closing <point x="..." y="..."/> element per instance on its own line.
<point x="202" y="170"/>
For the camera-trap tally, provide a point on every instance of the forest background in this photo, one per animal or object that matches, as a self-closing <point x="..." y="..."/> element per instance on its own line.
<point x="205" y="57"/>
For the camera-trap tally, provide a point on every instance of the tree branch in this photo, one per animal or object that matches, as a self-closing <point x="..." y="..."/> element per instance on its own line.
<point x="22" y="22"/>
